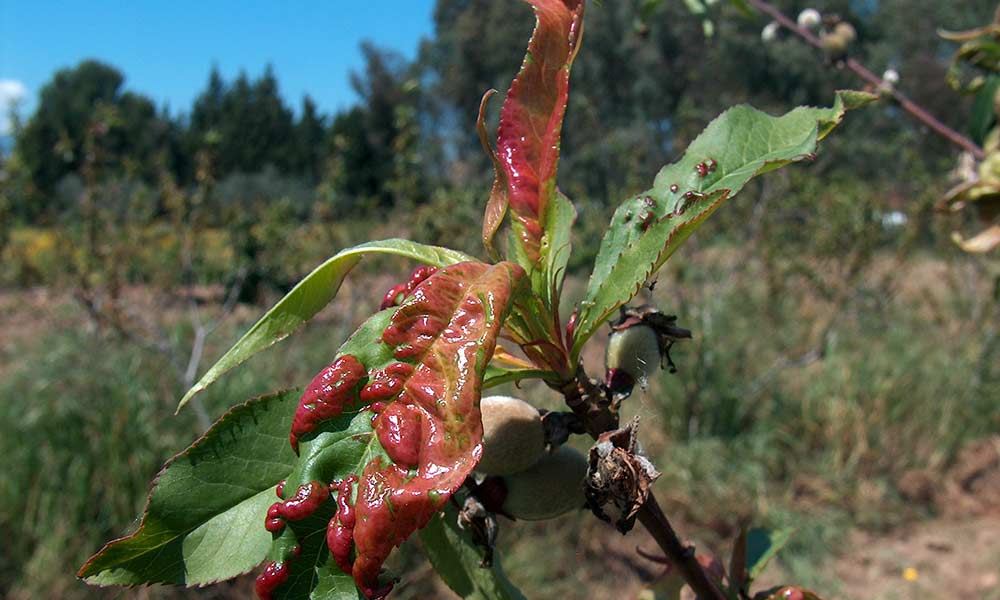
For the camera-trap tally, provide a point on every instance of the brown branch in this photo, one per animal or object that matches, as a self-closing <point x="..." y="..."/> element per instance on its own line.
<point x="599" y="414"/>
<point x="681" y="556"/>
<point x="917" y="111"/>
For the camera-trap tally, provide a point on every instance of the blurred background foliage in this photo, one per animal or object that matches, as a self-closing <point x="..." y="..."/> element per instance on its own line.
<point x="845" y="354"/>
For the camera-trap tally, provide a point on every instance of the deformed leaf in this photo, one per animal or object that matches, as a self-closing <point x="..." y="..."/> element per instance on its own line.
<point x="457" y="560"/>
<point x="531" y="121"/>
<point x="416" y="375"/>
<point x="310" y="295"/>
<point x="646" y="229"/>
<point x="202" y="521"/>
<point x="379" y="453"/>
<point x="496" y="206"/>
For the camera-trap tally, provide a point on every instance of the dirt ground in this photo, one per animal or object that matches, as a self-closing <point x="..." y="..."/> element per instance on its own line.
<point x="943" y="558"/>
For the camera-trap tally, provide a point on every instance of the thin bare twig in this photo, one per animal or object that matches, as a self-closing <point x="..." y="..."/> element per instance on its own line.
<point x="907" y="104"/>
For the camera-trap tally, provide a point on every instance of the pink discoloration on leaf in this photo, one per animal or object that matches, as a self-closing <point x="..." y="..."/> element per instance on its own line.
<point x="306" y="500"/>
<point x="275" y="574"/>
<point x="430" y="427"/>
<point x="340" y="531"/>
<point x="396" y="294"/>
<point x="399" y="432"/>
<point x="532" y="115"/>
<point x="326" y="396"/>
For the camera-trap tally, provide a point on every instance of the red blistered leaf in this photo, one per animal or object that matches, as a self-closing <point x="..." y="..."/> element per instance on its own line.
<point x="427" y="418"/>
<point x="532" y="115"/>
<point x="326" y="396"/>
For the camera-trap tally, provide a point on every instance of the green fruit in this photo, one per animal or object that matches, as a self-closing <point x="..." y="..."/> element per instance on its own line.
<point x="635" y="351"/>
<point x="553" y="486"/>
<point x="513" y="436"/>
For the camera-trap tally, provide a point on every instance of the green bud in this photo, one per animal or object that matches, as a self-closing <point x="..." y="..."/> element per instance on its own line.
<point x="634" y="352"/>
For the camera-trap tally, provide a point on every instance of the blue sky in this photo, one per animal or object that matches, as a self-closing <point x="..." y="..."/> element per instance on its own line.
<point x="166" y="48"/>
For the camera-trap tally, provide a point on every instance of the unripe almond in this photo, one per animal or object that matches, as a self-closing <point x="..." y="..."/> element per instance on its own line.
<point x="513" y="436"/>
<point x="635" y="352"/>
<point x="553" y="486"/>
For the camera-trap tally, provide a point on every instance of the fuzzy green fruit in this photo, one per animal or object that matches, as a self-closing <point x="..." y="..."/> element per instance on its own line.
<point x="513" y="436"/>
<point x="635" y="351"/>
<point x="552" y="487"/>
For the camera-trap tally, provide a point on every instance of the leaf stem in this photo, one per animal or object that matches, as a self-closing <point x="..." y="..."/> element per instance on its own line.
<point x="907" y="104"/>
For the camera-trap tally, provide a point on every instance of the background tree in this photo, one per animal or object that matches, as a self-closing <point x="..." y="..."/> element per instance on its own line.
<point x="52" y="142"/>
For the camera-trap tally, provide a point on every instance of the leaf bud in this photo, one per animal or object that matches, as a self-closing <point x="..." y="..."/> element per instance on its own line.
<point x="809" y="18"/>
<point x="835" y="45"/>
<point x="770" y="32"/>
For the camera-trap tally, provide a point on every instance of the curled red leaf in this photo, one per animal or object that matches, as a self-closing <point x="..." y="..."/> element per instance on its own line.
<point x="532" y="115"/>
<point x="431" y="426"/>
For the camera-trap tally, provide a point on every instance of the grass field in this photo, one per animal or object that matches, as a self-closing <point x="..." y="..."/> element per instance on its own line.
<point x="836" y="398"/>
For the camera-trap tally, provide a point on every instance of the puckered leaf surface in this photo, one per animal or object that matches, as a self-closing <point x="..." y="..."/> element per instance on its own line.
<point x="423" y="366"/>
<point x="379" y="451"/>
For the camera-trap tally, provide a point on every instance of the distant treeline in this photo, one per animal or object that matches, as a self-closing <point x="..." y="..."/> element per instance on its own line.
<point x="646" y="82"/>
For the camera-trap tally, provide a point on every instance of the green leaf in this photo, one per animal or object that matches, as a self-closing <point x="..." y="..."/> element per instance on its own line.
<point x="983" y="114"/>
<point x="647" y="229"/>
<point x="535" y="323"/>
<point x="203" y="519"/>
<point x="498" y="376"/>
<point x="310" y="295"/>
<point x="556" y="247"/>
<point x="457" y="560"/>
<point x="334" y="584"/>
<point x="762" y="546"/>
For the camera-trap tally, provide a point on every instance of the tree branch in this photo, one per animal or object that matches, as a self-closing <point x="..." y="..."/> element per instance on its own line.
<point x="681" y="556"/>
<point x="599" y="414"/>
<point x="917" y="111"/>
